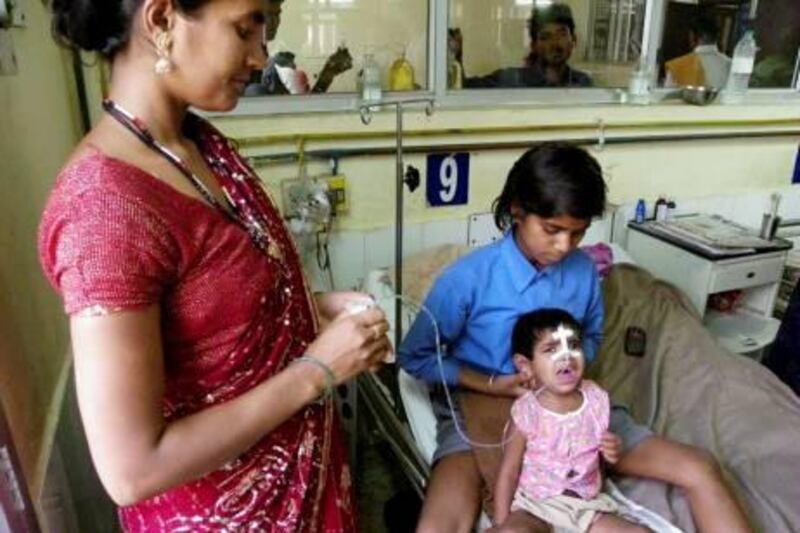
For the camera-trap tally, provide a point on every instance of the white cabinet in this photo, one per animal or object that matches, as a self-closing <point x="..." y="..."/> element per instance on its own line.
<point x="751" y="326"/>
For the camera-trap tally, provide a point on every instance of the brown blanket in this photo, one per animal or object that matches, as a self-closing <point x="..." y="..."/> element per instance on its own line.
<point x="688" y="389"/>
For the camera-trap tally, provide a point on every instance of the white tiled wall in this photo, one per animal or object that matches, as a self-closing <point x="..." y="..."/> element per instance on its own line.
<point x="355" y="253"/>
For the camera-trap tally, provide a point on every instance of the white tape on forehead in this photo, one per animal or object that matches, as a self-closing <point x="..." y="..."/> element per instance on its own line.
<point x="563" y="335"/>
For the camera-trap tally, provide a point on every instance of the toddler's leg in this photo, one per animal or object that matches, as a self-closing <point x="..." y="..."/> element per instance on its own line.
<point x="453" y="499"/>
<point x="714" y="508"/>
<point x="522" y="522"/>
<point x="609" y="523"/>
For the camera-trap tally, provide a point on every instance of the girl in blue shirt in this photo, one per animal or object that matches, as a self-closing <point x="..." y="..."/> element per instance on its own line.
<point x="550" y="197"/>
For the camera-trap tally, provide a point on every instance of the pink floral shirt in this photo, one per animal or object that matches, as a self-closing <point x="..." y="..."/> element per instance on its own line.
<point x="563" y="450"/>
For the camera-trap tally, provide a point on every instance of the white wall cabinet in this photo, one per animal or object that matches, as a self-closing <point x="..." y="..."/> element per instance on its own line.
<point x="751" y="326"/>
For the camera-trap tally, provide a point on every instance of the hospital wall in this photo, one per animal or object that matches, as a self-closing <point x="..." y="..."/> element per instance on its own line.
<point x="363" y="238"/>
<point x="38" y="128"/>
<point x="643" y="168"/>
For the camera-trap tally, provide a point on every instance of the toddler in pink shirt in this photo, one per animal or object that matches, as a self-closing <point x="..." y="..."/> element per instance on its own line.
<point x="551" y="464"/>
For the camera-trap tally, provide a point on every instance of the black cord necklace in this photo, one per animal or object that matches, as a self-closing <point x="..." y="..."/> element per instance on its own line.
<point x="254" y="228"/>
<point x="133" y="124"/>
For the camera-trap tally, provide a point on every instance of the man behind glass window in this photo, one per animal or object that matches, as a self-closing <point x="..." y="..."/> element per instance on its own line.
<point x="552" y="33"/>
<point x="778" y="35"/>
<point x="705" y="65"/>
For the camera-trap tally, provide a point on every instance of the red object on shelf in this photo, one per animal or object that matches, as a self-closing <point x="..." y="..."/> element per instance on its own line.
<point x="725" y="302"/>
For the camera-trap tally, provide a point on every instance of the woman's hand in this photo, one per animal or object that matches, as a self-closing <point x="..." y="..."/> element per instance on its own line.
<point x="611" y="447"/>
<point x="332" y="304"/>
<point x="351" y="344"/>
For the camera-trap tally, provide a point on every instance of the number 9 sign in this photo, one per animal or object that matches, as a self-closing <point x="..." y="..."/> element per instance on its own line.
<point x="447" y="179"/>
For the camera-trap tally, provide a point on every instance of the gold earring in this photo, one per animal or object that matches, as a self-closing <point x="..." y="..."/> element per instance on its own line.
<point x="163" y="63"/>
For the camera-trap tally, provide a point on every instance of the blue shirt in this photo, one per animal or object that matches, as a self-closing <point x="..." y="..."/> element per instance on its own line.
<point x="477" y="300"/>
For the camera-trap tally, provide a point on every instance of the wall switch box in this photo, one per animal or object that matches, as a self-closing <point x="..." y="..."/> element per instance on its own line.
<point x="295" y="192"/>
<point x="11" y="14"/>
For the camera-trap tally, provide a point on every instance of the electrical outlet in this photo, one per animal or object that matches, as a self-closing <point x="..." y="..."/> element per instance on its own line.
<point x="294" y="192"/>
<point x="337" y="190"/>
<point x="11" y="14"/>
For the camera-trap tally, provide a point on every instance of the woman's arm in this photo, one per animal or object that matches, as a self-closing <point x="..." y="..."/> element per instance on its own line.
<point x="120" y="380"/>
<point x="508" y="475"/>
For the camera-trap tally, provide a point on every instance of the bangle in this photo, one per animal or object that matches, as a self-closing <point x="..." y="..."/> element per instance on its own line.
<point x="330" y="379"/>
<point x="491" y="381"/>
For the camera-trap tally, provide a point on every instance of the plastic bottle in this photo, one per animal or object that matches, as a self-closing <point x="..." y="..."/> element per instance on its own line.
<point x="639" y="87"/>
<point x="660" y="209"/>
<point x="641" y="211"/>
<point x="401" y="74"/>
<point x="371" y="90"/>
<point x="455" y="76"/>
<point x="744" y="55"/>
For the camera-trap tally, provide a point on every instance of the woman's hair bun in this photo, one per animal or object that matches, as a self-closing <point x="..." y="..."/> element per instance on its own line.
<point x="93" y="25"/>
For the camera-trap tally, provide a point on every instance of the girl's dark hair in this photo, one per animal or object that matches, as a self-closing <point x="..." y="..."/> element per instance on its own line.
<point x="552" y="179"/>
<point x="100" y="25"/>
<point x="531" y="326"/>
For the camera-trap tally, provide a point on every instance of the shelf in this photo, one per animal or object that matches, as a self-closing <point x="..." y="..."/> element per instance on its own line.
<point x="741" y="331"/>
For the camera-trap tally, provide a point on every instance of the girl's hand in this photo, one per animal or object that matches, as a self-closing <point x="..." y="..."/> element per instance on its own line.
<point x="512" y="386"/>
<point x="332" y="304"/>
<point x="611" y="447"/>
<point x="351" y="344"/>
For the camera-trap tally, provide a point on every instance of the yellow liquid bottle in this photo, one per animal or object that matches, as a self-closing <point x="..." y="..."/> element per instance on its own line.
<point x="401" y="75"/>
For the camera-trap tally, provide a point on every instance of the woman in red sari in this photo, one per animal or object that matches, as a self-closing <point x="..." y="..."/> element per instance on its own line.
<point x="198" y="355"/>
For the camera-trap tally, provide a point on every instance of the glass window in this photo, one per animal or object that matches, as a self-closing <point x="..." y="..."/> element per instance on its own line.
<point x="699" y="40"/>
<point x="543" y="43"/>
<point x="318" y="46"/>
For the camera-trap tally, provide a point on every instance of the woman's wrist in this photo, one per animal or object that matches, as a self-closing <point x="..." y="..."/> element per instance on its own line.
<point x="316" y="376"/>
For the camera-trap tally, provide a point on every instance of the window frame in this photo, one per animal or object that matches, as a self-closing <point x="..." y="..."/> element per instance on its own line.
<point x="438" y="18"/>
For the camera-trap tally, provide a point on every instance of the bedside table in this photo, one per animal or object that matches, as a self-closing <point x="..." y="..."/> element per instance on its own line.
<point x="699" y="274"/>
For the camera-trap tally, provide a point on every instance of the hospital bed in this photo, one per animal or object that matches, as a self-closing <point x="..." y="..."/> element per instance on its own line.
<point x="685" y="386"/>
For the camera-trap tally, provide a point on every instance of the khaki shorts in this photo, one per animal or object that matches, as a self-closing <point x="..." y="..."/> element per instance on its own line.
<point x="566" y="513"/>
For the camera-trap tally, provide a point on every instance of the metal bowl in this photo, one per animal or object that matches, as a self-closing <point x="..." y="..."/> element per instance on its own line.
<point x="698" y="95"/>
